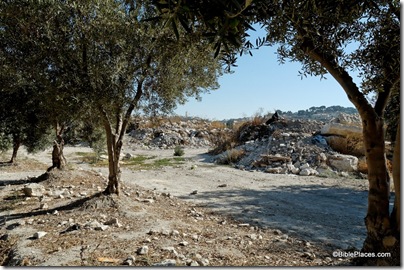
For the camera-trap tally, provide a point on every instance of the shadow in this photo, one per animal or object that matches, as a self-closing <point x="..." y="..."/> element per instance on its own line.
<point x="6" y="164"/>
<point x="37" y="179"/>
<point x="70" y="206"/>
<point x="205" y="157"/>
<point x="328" y="215"/>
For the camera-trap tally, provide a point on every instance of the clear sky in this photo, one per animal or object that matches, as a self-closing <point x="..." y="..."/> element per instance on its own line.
<point x="261" y="83"/>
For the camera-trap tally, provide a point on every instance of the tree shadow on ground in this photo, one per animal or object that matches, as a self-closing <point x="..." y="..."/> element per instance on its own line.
<point x="37" y="179"/>
<point x="70" y="206"/>
<point x="205" y="158"/>
<point x="330" y="215"/>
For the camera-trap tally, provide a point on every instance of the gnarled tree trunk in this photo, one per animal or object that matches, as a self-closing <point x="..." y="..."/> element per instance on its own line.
<point x="16" y="146"/>
<point x="58" y="159"/>
<point x="377" y="220"/>
<point x="380" y="236"/>
<point x="114" y="147"/>
<point x="115" y="141"/>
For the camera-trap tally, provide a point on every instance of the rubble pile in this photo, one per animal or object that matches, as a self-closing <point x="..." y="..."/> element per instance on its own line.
<point x="289" y="147"/>
<point x="193" y="133"/>
<point x="286" y="146"/>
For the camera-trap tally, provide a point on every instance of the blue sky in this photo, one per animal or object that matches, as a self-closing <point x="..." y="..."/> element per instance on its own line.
<point x="260" y="83"/>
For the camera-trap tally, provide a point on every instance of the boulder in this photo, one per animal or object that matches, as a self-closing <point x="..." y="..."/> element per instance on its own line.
<point x="343" y="125"/>
<point x="340" y="129"/>
<point x="344" y="163"/>
<point x="34" y="190"/>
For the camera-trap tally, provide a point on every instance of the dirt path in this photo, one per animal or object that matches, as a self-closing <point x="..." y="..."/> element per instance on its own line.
<point x="326" y="210"/>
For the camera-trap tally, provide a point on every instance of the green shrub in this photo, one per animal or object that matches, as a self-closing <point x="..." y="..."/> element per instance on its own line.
<point x="178" y="151"/>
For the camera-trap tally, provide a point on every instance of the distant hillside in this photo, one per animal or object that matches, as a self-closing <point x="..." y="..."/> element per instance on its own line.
<point x="321" y="113"/>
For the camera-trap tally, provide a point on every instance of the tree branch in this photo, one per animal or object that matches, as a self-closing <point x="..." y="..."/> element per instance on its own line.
<point x="132" y="105"/>
<point x="339" y="74"/>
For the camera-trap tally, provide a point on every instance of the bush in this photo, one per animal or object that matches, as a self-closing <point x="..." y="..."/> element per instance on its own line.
<point x="178" y="151"/>
<point x="230" y="156"/>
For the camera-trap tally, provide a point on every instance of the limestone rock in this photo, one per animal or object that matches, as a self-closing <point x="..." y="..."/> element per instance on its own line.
<point x="340" y="129"/>
<point x="38" y="235"/>
<point x="344" y="163"/>
<point x="167" y="262"/>
<point x="34" y="190"/>
<point x="143" y="250"/>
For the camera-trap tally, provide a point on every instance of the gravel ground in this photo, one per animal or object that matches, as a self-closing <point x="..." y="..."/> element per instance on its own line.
<point x="292" y="220"/>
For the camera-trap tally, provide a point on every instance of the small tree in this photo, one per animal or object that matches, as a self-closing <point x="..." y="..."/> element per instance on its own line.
<point x="35" y="56"/>
<point x="117" y="62"/>
<point x="330" y="37"/>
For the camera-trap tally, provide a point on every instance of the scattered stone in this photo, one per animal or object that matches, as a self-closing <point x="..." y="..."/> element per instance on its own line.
<point x="38" y="235"/>
<point x="309" y="255"/>
<point x="193" y="263"/>
<point x="276" y="170"/>
<point x="95" y="225"/>
<point x="147" y="240"/>
<point x="129" y="261"/>
<point x="203" y="262"/>
<point x="113" y="222"/>
<point x="253" y="236"/>
<point x="318" y="261"/>
<point x="73" y="227"/>
<point x="34" y="190"/>
<point x="305" y="172"/>
<point x="345" y="163"/>
<point x="152" y="231"/>
<point x="167" y="262"/>
<point x="143" y="250"/>
<point x="183" y="243"/>
<point x="304" y="166"/>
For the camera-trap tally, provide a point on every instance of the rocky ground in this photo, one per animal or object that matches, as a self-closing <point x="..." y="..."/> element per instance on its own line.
<point x="280" y="195"/>
<point x="183" y="211"/>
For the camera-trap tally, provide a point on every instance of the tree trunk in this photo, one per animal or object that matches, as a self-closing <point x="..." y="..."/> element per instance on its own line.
<point x="114" y="150"/>
<point x="379" y="234"/>
<point x="16" y="146"/>
<point x="58" y="159"/>
<point x="378" y="224"/>
<point x="395" y="215"/>
<point x="115" y="141"/>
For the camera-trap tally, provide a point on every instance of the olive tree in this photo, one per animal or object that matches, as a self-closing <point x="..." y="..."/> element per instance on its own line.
<point x="124" y="63"/>
<point x="37" y="90"/>
<point x="335" y="38"/>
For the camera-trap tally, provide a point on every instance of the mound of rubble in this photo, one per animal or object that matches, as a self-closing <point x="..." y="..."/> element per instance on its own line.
<point x="286" y="146"/>
<point x="191" y="133"/>
<point x="293" y="147"/>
